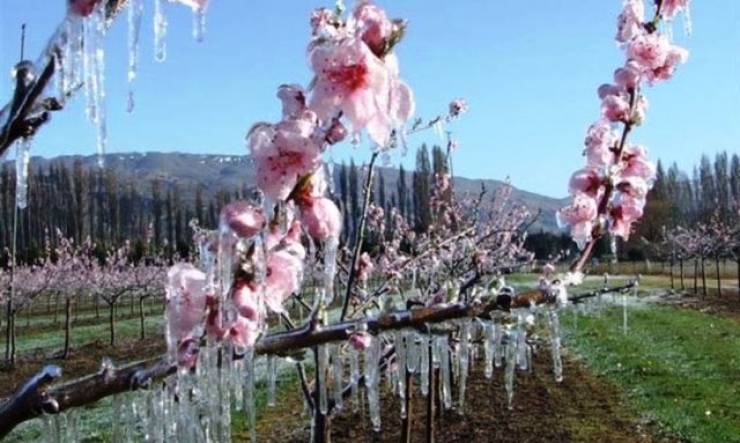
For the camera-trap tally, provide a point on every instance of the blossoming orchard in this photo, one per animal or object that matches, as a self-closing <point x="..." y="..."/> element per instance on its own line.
<point x="345" y="314"/>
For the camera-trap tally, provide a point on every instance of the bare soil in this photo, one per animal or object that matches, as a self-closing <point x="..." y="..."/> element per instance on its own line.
<point x="582" y="408"/>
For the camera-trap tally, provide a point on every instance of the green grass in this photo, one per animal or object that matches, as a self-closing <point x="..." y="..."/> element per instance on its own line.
<point x="680" y="367"/>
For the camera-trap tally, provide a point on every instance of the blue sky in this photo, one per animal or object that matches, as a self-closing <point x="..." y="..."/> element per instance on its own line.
<point x="528" y="69"/>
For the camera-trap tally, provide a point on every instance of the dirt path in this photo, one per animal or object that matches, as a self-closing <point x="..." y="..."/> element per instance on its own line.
<point x="583" y="408"/>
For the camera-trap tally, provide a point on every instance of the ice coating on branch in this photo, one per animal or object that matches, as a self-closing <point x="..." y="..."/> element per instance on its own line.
<point x="22" y="162"/>
<point x="464" y="357"/>
<point x="135" y="8"/>
<point x="488" y="346"/>
<point x="82" y="8"/>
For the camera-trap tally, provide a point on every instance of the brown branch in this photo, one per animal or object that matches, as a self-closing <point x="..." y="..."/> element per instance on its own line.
<point x="35" y="397"/>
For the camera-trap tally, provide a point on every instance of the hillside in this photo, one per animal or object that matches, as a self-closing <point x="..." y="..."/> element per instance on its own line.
<point x="217" y="172"/>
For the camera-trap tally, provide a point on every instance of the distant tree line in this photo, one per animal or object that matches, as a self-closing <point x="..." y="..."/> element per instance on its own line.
<point x="109" y="208"/>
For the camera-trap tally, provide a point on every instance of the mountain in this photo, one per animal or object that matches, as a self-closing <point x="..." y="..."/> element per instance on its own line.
<point x="219" y="172"/>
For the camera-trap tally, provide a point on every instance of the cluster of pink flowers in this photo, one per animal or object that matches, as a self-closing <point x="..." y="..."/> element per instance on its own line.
<point x="609" y="192"/>
<point x="356" y="84"/>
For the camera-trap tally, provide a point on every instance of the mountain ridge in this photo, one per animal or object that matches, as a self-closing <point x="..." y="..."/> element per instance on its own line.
<point x="216" y="172"/>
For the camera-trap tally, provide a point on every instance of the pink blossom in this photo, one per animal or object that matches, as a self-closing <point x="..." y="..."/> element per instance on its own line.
<point x="669" y="8"/>
<point x="630" y="21"/>
<point x="244" y="219"/>
<point x="585" y="181"/>
<point x="187" y="352"/>
<point x="580" y="216"/>
<point x="83" y="8"/>
<point x="186" y="303"/>
<point x="244" y="296"/>
<point x="615" y="105"/>
<point x="321" y="218"/>
<point x="632" y="186"/>
<point x="627" y="76"/>
<point x="636" y="163"/>
<point x="243" y="332"/>
<point x="625" y="212"/>
<point x="284" y="152"/>
<point x="458" y="107"/>
<point x="601" y="138"/>
<point x="655" y="56"/>
<point x="323" y="22"/>
<point x="365" y="267"/>
<point x="360" y="340"/>
<point x="583" y="208"/>
<point x="336" y="132"/>
<point x="294" y="100"/>
<point x="353" y="82"/>
<point x="373" y="26"/>
<point x="284" y="275"/>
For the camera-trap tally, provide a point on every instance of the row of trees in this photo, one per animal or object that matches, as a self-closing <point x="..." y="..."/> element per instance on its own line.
<point x="107" y="207"/>
<point x="73" y="274"/>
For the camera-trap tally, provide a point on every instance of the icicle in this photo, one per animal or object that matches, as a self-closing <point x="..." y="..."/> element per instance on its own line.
<point x="521" y="348"/>
<point x="424" y="365"/>
<point x="22" y="161"/>
<point x="337" y="366"/>
<point x="160" y="31"/>
<point x="271" y="379"/>
<point x="135" y="9"/>
<point x="322" y="370"/>
<point x="511" y="345"/>
<point x="498" y="349"/>
<point x="199" y="23"/>
<point x="372" y="380"/>
<point x="555" y="343"/>
<point x="93" y="59"/>
<point x="490" y="342"/>
<point x="330" y="174"/>
<point x="354" y="369"/>
<point x="249" y="401"/>
<point x="412" y="352"/>
<point x="687" y="25"/>
<point x="444" y="365"/>
<point x="331" y="245"/>
<point x="400" y="365"/>
<point x="464" y="359"/>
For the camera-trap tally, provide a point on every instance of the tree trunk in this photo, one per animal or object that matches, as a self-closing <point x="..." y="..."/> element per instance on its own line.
<point x="56" y="309"/>
<point x="671" y="271"/>
<point x="680" y="267"/>
<point x="431" y="399"/>
<point x="719" y="276"/>
<point x="407" y="420"/>
<point x="696" y="275"/>
<point x="67" y="325"/>
<point x="8" y="326"/>
<point x="112" y="320"/>
<point x="141" y="317"/>
<point x="703" y="277"/>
